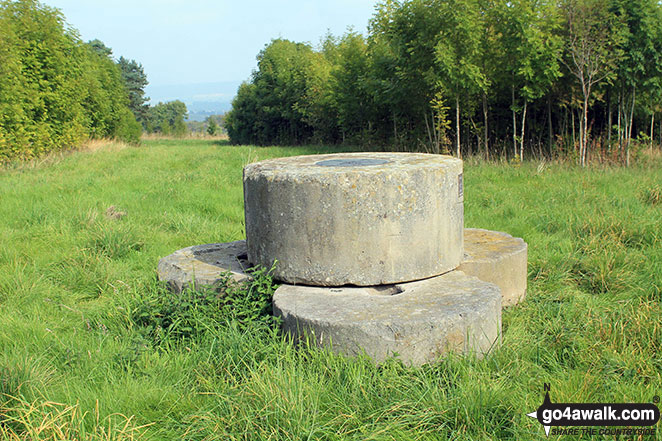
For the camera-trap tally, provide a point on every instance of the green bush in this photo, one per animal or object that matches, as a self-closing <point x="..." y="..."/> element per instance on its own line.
<point x="168" y="318"/>
<point x="55" y="90"/>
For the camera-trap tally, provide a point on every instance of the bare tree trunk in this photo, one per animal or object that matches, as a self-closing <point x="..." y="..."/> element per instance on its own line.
<point x="479" y="142"/>
<point x="609" y="125"/>
<point x="585" y="129"/>
<point x="549" y="124"/>
<point x="581" y="138"/>
<point x="620" y="105"/>
<point x="457" y="124"/>
<point x="627" y="145"/>
<point x="469" y="148"/>
<point x="609" y="117"/>
<point x="395" y="128"/>
<point x="564" y="125"/>
<point x="652" y="126"/>
<point x="521" y="144"/>
<point x="634" y="94"/>
<point x="514" y="123"/>
<point x="574" y="141"/>
<point x="436" y="133"/>
<point x="625" y="132"/>
<point x="427" y="128"/>
<point x="487" y="150"/>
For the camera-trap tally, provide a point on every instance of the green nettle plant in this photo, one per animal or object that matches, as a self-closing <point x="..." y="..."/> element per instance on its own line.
<point x="165" y="317"/>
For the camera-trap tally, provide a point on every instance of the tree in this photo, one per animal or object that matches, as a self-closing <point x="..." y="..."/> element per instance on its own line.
<point x="135" y="81"/>
<point x="283" y="102"/>
<point x="639" y="70"/>
<point x="168" y="118"/>
<point x="532" y="51"/>
<point x="13" y="94"/>
<point x="100" y="48"/>
<point x="405" y="77"/>
<point x="48" y="60"/>
<point x="240" y="122"/>
<point x="593" y="52"/>
<point x="212" y="127"/>
<point x="55" y="91"/>
<point x="458" y="53"/>
<point x="421" y="74"/>
<point x="349" y="80"/>
<point x="104" y="96"/>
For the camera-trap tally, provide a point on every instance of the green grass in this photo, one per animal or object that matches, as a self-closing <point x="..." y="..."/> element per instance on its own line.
<point x="82" y="318"/>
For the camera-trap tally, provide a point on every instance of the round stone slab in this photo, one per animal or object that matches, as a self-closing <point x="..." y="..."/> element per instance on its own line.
<point x="420" y="321"/>
<point x="355" y="218"/>
<point x="497" y="258"/>
<point x="204" y="265"/>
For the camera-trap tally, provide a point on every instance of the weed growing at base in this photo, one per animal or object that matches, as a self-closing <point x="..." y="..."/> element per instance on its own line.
<point x="168" y="319"/>
<point x="93" y="346"/>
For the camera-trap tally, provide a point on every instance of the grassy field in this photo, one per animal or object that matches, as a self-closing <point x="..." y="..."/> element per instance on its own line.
<point x="92" y="348"/>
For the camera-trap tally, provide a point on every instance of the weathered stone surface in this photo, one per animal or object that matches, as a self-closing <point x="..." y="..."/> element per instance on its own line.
<point x="420" y="321"/>
<point x="497" y="258"/>
<point x="205" y="265"/>
<point x="355" y="218"/>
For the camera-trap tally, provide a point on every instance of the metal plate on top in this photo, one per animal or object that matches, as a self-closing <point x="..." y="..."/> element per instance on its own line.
<point x="351" y="162"/>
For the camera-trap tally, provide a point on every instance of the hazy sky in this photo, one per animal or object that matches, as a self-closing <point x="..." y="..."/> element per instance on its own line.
<point x="201" y="41"/>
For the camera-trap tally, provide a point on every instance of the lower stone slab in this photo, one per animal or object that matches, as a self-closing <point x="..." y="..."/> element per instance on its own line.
<point x="497" y="258"/>
<point x="419" y="321"/>
<point x="492" y="256"/>
<point x="204" y="265"/>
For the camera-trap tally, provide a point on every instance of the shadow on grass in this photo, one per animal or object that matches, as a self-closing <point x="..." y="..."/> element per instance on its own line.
<point x="221" y="142"/>
<point x="309" y="149"/>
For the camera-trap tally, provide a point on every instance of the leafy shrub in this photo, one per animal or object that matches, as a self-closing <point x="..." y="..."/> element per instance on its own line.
<point x="129" y="130"/>
<point x="55" y="91"/>
<point x="166" y="317"/>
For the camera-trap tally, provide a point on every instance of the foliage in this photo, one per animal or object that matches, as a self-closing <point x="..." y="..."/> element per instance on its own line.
<point x="168" y="118"/>
<point x="135" y="81"/>
<point x="212" y="126"/>
<point x="276" y="106"/>
<point x="55" y="90"/>
<point x="547" y="75"/>
<point x="105" y="99"/>
<point x="100" y="48"/>
<point x="593" y="52"/>
<point x="168" y="318"/>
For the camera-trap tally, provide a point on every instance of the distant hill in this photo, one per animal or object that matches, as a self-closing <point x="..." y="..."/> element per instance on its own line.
<point x="200" y="110"/>
<point x="202" y="99"/>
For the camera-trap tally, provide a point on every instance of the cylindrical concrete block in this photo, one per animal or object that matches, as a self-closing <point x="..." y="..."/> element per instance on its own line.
<point x="355" y="218"/>
<point x="420" y="321"/>
<point x="204" y="266"/>
<point x="498" y="258"/>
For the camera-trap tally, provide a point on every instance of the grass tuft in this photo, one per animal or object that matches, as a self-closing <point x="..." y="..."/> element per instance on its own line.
<point x="114" y="240"/>
<point x="652" y="195"/>
<point x="50" y="421"/>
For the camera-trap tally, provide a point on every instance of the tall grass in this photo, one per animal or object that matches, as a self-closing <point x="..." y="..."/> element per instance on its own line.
<point x="92" y="347"/>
